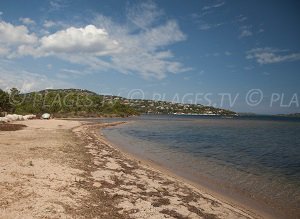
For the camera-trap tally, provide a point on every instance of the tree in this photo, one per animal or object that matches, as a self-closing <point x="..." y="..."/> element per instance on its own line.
<point x="14" y="91"/>
<point x="5" y="105"/>
<point x="15" y="98"/>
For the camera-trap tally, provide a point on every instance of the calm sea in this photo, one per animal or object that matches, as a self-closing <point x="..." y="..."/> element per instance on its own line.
<point x="252" y="158"/>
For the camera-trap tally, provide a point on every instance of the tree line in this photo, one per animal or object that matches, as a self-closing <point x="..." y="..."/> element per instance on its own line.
<point x="62" y="103"/>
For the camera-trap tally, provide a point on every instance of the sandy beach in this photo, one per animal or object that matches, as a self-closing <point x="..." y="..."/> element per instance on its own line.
<point x="66" y="169"/>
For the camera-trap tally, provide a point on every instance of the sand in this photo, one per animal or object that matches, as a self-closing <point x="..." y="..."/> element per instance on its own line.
<point x="66" y="169"/>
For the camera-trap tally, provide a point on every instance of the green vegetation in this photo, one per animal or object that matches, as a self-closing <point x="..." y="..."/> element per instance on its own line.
<point x="65" y="103"/>
<point x="84" y="103"/>
<point x="5" y="105"/>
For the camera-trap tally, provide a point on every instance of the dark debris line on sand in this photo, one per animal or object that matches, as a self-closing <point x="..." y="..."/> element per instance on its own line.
<point x="11" y="127"/>
<point x="120" y="187"/>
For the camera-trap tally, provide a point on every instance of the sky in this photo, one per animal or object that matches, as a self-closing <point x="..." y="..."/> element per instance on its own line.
<point x="238" y="55"/>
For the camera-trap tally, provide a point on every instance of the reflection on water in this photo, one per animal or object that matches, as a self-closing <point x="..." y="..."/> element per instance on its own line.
<point x="257" y="157"/>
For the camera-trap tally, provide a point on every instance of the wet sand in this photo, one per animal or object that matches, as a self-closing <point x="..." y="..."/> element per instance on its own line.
<point x="66" y="169"/>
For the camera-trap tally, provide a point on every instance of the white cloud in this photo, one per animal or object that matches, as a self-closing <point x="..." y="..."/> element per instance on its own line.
<point x="24" y="50"/>
<point x="49" y="23"/>
<point x="144" y="52"/>
<point x="4" y="50"/>
<point x="245" y="32"/>
<point x="217" y="5"/>
<point x="208" y="13"/>
<point x="10" y="34"/>
<point x="79" y="40"/>
<point x="56" y="5"/>
<point x="241" y="18"/>
<point x="54" y="24"/>
<point x="164" y="35"/>
<point x="270" y="55"/>
<point x="27" y="21"/>
<point x="27" y="81"/>
<point x="126" y="50"/>
<point x="144" y="15"/>
<point x="49" y="26"/>
<point x="105" y="45"/>
<point x="207" y="26"/>
<point x="71" y="73"/>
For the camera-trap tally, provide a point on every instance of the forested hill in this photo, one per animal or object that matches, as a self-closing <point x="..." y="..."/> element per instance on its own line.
<point x="84" y="103"/>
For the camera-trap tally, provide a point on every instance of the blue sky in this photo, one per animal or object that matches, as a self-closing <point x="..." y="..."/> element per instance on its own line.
<point x="240" y="55"/>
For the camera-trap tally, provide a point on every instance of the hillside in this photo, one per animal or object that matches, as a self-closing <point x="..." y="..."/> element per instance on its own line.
<point x="165" y="107"/>
<point x="84" y="103"/>
<point x="297" y="115"/>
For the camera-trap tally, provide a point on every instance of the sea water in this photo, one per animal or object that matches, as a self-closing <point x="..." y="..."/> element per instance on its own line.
<point x="255" y="157"/>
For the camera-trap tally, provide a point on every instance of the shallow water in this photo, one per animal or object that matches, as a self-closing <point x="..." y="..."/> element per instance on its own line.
<point x="255" y="157"/>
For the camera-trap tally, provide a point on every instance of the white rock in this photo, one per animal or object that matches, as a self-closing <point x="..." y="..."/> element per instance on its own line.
<point x="15" y="117"/>
<point x="46" y="116"/>
<point x="20" y="117"/>
<point x="26" y="117"/>
<point x="11" y="117"/>
<point x="3" y="119"/>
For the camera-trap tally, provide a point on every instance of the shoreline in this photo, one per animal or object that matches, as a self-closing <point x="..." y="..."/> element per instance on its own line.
<point x="253" y="209"/>
<point x="66" y="169"/>
<point x="149" y="165"/>
<point x="268" y="208"/>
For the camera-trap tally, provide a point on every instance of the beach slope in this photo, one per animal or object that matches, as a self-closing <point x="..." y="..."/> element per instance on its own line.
<point x="66" y="169"/>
